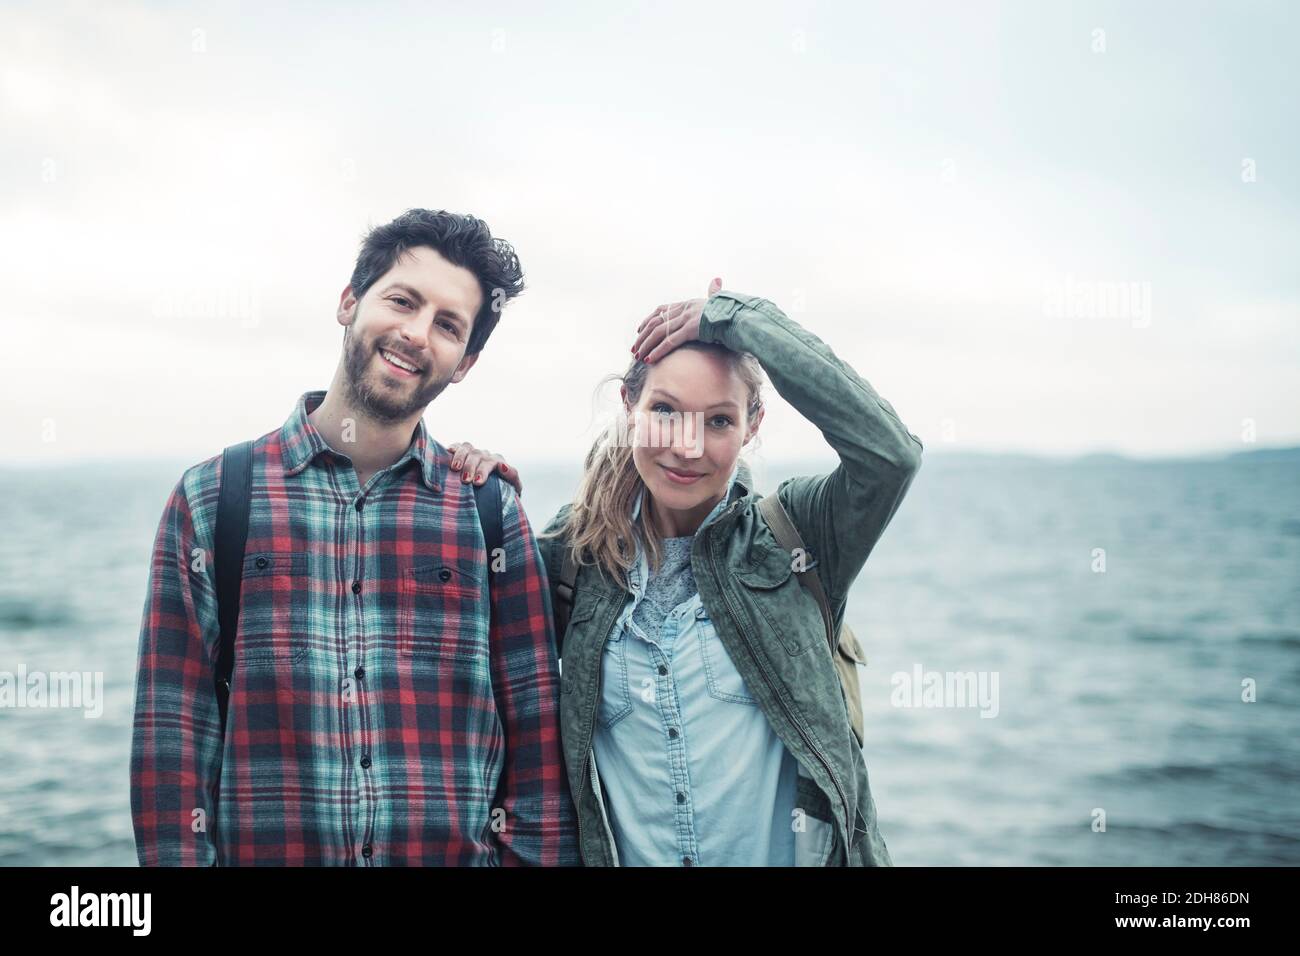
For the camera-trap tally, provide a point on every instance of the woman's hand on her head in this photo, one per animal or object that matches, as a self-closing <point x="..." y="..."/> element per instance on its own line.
<point x="474" y="464"/>
<point x="670" y="325"/>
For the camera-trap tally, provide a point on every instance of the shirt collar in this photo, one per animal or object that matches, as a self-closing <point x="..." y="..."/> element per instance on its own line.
<point x="300" y="443"/>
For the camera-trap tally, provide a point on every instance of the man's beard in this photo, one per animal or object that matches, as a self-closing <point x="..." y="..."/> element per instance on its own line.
<point x="377" y="401"/>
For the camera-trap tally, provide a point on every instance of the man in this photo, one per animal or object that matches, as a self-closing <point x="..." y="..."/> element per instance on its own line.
<point x="387" y="706"/>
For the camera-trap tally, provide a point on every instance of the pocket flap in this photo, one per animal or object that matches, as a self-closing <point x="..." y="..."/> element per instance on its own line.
<point x="768" y="570"/>
<point x="442" y="575"/>
<point x="582" y="610"/>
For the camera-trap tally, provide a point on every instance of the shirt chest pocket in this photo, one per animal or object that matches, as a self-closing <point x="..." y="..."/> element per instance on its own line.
<point x="274" y="609"/>
<point x="615" y="694"/>
<point x="724" y="681"/>
<point x="443" y="613"/>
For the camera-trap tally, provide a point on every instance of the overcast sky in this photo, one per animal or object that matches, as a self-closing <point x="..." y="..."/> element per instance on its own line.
<point x="1032" y="227"/>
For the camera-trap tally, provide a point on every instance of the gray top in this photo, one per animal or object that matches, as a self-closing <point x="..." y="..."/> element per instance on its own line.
<point x="672" y="584"/>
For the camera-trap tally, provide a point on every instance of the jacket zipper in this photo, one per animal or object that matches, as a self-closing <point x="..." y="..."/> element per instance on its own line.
<point x="844" y="800"/>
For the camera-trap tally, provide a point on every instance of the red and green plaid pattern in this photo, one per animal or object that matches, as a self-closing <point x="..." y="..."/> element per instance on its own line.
<point x="375" y="717"/>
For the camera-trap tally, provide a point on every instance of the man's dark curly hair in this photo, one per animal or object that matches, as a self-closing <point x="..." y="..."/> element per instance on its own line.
<point x="460" y="239"/>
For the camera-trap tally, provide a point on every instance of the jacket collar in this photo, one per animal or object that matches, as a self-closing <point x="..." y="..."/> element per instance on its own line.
<point x="300" y="443"/>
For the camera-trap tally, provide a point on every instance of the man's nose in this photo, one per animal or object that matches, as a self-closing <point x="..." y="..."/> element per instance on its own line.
<point x="415" y="330"/>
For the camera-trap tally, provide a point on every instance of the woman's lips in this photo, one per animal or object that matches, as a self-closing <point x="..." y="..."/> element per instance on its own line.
<point x="678" y="477"/>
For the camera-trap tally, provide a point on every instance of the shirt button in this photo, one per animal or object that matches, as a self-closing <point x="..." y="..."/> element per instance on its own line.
<point x="361" y="503"/>
<point x="365" y="762"/>
<point x="359" y="673"/>
<point x="444" y="574"/>
<point x="261" y="562"/>
<point x="681" y="797"/>
<point x="686" y="861"/>
<point x="356" y="587"/>
<point x="672" y="732"/>
<point x="367" y="852"/>
<point x="662" y="670"/>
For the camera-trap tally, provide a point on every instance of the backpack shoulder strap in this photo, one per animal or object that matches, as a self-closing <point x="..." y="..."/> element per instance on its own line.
<point x="846" y="653"/>
<point x="787" y="536"/>
<point x="487" y="497"/>
<point x="566" y="590"/>
<point x="228" y="554"/>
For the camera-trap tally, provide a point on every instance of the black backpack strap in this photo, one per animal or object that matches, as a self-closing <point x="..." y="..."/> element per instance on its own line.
<point x="231" y="535"/>
<point x="487" y="497"/>
<point x="566" y="591"/>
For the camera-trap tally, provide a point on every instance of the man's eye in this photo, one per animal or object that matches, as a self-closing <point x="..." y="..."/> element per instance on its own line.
<point x="450" y="327"/>
<point x="401" y="300"/>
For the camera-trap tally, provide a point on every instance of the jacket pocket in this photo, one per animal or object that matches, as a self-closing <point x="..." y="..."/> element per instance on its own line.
<point x="778" y="602"/>
<point x="443" y="613"/>
<point x="725" y="682"/>
<point x="274" y="610"/>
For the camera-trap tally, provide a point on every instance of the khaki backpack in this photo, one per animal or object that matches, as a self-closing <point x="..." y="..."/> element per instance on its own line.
<point x="845" y="652"/>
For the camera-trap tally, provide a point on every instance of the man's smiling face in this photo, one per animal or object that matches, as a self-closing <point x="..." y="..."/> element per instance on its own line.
<point x="404" y="341"/>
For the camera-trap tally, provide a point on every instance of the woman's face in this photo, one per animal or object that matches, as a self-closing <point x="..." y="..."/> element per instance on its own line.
<point x="689" y="426"/>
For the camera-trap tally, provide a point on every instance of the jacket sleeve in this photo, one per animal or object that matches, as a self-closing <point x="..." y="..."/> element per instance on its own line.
<point x="841" y="515"/>
<point x="539" y="827"/>
<point x="176" y="735"/>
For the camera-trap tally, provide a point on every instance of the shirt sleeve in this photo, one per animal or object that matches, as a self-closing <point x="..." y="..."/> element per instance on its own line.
<point x="540" y="824"/>
<point x="176" y="736"/>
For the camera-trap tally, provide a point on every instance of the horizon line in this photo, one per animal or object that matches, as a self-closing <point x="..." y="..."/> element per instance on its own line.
<point x="930" y="451"/>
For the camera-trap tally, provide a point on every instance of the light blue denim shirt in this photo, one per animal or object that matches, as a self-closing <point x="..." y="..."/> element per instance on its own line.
<point x="692" y="772"/>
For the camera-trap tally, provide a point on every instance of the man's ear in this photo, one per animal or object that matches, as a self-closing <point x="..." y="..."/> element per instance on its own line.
<point x="347" y="306"/>
<point x="465" y="365"/>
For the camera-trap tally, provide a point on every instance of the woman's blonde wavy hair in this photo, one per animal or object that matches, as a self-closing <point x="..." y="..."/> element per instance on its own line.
<point x="599" y="524"/>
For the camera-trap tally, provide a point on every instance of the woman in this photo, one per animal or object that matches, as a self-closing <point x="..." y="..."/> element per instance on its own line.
<point x="702" y="715"/>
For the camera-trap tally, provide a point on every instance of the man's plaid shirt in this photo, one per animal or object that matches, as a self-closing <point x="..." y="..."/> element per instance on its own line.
<point x="375" y="717"/>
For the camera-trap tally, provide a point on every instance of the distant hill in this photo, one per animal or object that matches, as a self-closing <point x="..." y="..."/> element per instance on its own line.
<point x="1266" y="454"/>
<point x="942" y="458"/>
<point x="1290" y="454"/>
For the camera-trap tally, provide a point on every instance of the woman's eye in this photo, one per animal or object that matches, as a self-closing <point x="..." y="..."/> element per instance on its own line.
<point x="666" y="410"/>
<point x="721" y="421"/>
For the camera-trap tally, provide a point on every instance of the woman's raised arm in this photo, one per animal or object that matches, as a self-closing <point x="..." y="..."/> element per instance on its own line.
<point x="841" y="515"/>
